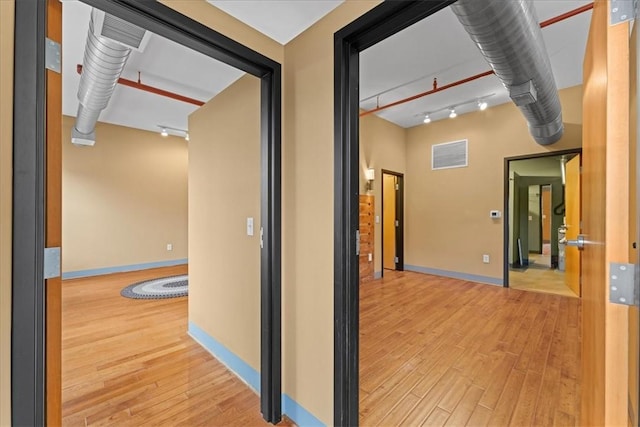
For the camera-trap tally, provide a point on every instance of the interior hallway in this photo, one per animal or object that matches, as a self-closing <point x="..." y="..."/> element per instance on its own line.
<point x="540" y="277"/>
<point x="440" y="351"/>
<point x="130" y="362"/>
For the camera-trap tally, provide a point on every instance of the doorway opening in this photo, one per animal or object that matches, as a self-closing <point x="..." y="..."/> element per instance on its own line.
<point x="392" y="221"/>
<point x="542" y="195"/>
<point x="31" y="364"/>
<point x="359" y="366"/>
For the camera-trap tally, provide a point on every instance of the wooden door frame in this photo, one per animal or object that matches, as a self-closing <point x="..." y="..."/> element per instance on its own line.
<point x="505" y="221"/>
<point x="28" y="337"/>
<point x="382" y="21"/>
<point x="399" y="214"/>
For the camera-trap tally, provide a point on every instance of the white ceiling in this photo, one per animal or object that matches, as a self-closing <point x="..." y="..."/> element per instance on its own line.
<point x="163" y="64"/>
<point x="439" y="47"/>
<point x="408" y="61"/>
<point x="282" y="20"/>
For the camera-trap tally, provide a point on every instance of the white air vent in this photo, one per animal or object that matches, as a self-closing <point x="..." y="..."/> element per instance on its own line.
<point x="120" y="31"/>
<point x="449" y="155"/>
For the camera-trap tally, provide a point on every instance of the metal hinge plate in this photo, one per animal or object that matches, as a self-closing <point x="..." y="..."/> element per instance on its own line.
<point x="261" y="238"/>
<point x="51" y="263"/>
<point x="622" y="11"/>
<point x="396" y="260"/>
<point x="52" y="58"/>
<point x="357" y="242"/>
<point x="621" y="284"/>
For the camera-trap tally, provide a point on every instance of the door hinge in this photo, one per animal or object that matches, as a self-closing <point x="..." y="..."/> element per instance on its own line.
<point x="622" y="11"/>
<point x="261" y="238"/>
<point x="397" y="223"/>
<point x="51" y="263"/>
<point x="396" y="260"/>
<point x="357" y="242"/>
<point x="397" y="187"/>
<point x="622" y="284"/>
<point x="52" y="58"/>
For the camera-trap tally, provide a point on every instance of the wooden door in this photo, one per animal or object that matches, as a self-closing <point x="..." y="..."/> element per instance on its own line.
<point x="53" y="231"/>
<point x="389" y="221"/>
<point x="634" y="229"/>
<point x="605" y="210"/>
<point x="546" y="213"/>
<point x="572" y="217"/>
<point x="367" y="228"/>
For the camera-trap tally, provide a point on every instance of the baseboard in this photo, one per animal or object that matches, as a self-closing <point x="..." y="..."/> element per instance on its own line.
<point x="122" y="268"/>
<point x="298" y="414"/>
<point x="455" y="275"/>
<point x="292" y="409"/>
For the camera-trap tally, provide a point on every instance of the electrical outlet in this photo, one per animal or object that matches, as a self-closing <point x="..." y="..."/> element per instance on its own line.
<point x="169" y="246"/>
<point x="485" y="258"/>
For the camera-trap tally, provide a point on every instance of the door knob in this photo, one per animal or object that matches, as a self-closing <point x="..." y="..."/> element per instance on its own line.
<point x="578" y="242"/>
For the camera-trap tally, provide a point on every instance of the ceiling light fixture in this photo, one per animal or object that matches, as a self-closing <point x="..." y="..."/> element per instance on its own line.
<point x="174" y="131"/>
<point x="427" y="119"/>
<point x="482" y="105"/>
<point x="452" y="113"/>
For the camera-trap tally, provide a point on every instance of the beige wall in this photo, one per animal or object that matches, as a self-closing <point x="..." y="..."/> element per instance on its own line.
<point x="226" y="24"/>
<point x="224" y="190"/>
<point x="6" y="136"/>
<point x="308" y="211"/>
<point x="382" y="146"/>
<point x="447" y="211"/>
<point x="124" y="199"/>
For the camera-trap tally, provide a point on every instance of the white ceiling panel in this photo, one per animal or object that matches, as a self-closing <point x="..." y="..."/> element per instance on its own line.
<point x="281" y="20"/>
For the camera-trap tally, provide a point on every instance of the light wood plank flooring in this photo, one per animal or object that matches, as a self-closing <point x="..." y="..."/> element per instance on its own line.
<point x="131" y="363"/>
<point x="540" y="277"/>
<point x="438" y="351"/>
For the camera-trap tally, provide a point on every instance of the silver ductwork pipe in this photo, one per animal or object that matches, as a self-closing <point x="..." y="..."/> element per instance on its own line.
<point x="104" y="60"/>
<point x="509" y="37"/>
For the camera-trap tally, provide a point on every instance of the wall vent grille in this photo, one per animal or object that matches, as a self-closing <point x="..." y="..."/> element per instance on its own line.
<point x="449" y="155"/>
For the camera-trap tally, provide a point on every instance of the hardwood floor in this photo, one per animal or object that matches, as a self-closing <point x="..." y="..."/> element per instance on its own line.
<point x="540" y="277"/>
<point x="438" y="351"/>
<point x="130" y="362"/>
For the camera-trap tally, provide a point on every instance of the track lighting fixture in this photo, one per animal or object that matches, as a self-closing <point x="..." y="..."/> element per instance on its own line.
<point x="482" y="105"/>
<point x="452" y="113"/>
<point x="174" y="131"/>
<point x="427" y="119"/>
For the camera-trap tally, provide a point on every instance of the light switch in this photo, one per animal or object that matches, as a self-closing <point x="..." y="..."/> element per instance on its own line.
<point x="249" y="226"/>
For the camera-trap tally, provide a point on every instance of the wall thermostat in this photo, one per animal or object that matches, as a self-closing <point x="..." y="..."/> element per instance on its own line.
<point x="495" y="214"/>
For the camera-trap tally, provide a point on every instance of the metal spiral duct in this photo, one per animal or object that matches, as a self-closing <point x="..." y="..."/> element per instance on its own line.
<point x="509" y="37"/>
<point x="104" y="60"/>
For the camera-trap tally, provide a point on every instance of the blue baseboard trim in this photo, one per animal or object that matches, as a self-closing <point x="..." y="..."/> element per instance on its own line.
<point x="250" y="376"/>
<point x="455" y="275"/>
<point x="238" y="366"/>
<point x="298" y="414"/>
<point x="377" y="275"/>
<point x="122" y="268"/>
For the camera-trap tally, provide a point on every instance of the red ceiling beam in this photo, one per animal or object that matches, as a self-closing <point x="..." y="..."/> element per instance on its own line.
<point x="436" y="89"/>
<point x="152" y="89"/>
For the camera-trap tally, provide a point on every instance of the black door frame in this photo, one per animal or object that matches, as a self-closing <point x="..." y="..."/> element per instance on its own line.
<point x="399" y="265"/>
<point x="506" y="195"/>
<point x="374" y="26"/>
<point x="28" y="396"/>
